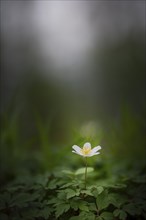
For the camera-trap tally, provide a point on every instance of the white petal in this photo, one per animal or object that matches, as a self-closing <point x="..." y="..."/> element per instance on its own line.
<point x="96" y="153"/>
<point x="78" y="153"/>
<point x="89" y="155"/>
<point x="95" y="149"/>
<point x="87" y="145"/>
<point x="77" y="150"/>
<point x="92" y="154"/>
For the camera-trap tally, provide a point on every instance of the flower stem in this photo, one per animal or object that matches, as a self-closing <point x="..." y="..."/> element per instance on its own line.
<point x="85" y="172"/>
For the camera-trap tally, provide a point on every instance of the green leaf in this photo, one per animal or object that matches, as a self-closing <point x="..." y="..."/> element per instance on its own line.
<point x="83" y="206"/>
<point x="87" y="192"/>
<point x="75" y="218"/>
<point x="123" y="215"/>
<point x="66" y="185"/>
<point x="96" y="190"/>
<point x="116" y="212"/>
<point x="92" y="207"/>
<point x="82" y="170"/>
<point x="99" y="218"/>
<point x="42" y="179"/>
<point x="45" y="212"/>
<point x="60" y="209"/>
<point x="70" y="193"/>
<point x="117" y="186"/>
<point x="102" y="200"/>
<point x="74" y="205"/>
<point x="89" y="215"/>
<point x="68" y="172"/>
<point x="52" y="201"/>
<point x="84" y="215"/>
<point x="52" y="184"/>
<point x="116" y="199"/>
<point x="120" y="213"/>
<point x="107" y="216"/>
<point x="100" y="189"/>
<point x="62" y="195"/>
<point x="105" y="199"/>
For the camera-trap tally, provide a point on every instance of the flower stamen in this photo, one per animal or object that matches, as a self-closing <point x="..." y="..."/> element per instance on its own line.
<point x="85" y="150"/>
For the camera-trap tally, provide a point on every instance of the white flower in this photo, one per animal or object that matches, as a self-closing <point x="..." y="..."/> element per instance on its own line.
<point x="86" y="151"/>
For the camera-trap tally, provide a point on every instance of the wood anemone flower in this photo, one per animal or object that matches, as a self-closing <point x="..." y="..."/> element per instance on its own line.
<point x="86" y="151"/>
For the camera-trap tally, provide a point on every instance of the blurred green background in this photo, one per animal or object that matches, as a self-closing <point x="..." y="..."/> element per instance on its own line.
<point x="71" y="72"/>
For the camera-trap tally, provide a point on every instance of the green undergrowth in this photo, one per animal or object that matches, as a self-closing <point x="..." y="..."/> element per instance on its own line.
<point x="42" y="179"/>
<point x="62" y="195"/>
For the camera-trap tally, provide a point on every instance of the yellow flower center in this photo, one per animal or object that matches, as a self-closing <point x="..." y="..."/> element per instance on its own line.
<point x="86" y="150"/>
